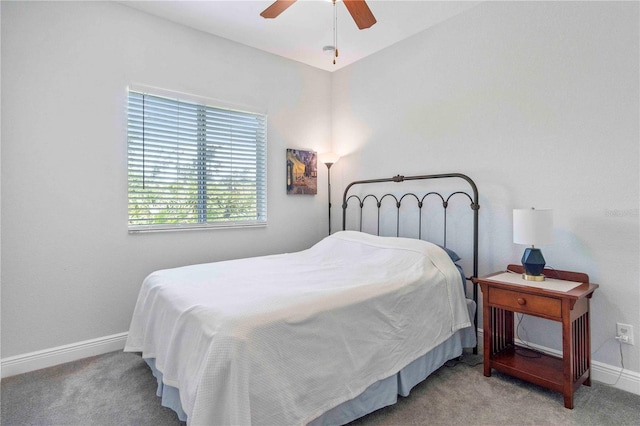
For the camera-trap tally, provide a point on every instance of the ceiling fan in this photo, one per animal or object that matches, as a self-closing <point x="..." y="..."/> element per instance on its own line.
<point x="358" y="9"/>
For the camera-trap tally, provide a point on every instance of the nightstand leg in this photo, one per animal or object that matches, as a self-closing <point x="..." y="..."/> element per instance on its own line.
<point x="487" y="337"/>
<point x="587" y="346"/>
<point x="571" y="353"/>
<point x="568" y="401"/>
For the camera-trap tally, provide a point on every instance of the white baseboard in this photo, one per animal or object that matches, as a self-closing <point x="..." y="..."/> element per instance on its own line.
<point x="626" y="380"/>
<point x="611" y="375"/>
<point x="616" y="377"/>
<point x="32" y="361"/>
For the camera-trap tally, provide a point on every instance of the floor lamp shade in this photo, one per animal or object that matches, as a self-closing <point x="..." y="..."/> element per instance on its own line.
<point x="533" y="227"/>
<point x="329" y="158"/>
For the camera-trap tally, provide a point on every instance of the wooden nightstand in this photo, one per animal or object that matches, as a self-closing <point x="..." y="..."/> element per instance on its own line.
<point x="503" y="294"/>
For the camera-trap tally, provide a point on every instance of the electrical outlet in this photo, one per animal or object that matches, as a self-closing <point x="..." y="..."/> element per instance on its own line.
<point x="624" y="333"/>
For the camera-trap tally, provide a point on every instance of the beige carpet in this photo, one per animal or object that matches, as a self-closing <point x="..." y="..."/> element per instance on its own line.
<point x="461" y="395"/>
<point x="118" y="389"/>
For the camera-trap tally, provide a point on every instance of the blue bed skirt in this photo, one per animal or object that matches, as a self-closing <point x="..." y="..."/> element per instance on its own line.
<point x="169" y="395"/>
<point x="380" y="394"/>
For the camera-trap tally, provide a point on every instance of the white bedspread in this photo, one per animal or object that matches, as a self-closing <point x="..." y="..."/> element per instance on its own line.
<point x="279" y="340"/>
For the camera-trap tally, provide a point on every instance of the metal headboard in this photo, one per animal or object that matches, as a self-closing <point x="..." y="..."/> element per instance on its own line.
<point x="419" y="201"/>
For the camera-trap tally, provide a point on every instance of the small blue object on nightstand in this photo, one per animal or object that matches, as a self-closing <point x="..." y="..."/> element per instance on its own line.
<point x="533" y="227"/>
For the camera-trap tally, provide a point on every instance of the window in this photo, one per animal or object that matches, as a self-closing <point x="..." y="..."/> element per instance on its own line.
<point x="192" y="165"/>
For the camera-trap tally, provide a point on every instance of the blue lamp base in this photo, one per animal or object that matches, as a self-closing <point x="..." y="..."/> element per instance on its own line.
<point x="533" y="263"/>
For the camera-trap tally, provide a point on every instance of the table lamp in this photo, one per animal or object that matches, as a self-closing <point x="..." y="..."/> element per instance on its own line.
<point x="532" y="227"/>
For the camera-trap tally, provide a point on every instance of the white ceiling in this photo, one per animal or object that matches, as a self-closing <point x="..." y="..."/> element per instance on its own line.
<point x="302" y="30"/>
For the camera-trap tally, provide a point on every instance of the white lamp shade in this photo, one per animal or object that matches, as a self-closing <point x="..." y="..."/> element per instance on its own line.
<point x="532" y="227"/>
<point x="329" y="158"/>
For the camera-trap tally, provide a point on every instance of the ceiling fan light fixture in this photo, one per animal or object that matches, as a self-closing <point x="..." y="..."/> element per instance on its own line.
<point x="328" y="50"/>
<point x="358" y="10"/>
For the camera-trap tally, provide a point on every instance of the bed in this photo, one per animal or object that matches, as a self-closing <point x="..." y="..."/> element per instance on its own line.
<point x="321" y="336"/>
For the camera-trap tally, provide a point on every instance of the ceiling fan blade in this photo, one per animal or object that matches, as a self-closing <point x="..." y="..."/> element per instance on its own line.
<point x="360" y="13"/>
<point x="276" y="8"/>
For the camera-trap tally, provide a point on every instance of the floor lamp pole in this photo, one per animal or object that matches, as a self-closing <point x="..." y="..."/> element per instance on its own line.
<point x="329" y="190"/>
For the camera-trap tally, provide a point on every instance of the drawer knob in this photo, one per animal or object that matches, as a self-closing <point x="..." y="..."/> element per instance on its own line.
<point x="521" y="301"/>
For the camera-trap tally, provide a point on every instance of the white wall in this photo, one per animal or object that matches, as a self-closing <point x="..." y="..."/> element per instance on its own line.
<point x="70" y="270"/>
<point x="538" y="103"/>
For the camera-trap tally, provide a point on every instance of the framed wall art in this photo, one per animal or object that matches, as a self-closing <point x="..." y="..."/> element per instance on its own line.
<point x="302" y="172"/>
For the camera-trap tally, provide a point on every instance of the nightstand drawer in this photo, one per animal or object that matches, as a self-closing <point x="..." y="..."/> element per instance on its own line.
<point x="527" y="303"/>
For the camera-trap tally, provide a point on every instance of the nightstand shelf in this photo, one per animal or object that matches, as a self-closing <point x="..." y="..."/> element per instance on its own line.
<point x="535" y="367"/>
<point x="563" y="298"/>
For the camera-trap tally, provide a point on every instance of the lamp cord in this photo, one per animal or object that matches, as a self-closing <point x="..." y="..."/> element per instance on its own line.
<point x="621" y="361"/>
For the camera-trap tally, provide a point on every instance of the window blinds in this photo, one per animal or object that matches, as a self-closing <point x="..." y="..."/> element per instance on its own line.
<point x="193" y="165"/>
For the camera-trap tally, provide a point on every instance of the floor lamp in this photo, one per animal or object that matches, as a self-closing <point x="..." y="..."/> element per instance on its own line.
<point x="329" y="159"/>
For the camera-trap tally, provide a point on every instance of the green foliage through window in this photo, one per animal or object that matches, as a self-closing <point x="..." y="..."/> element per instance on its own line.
<point x="193" y="165"/>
